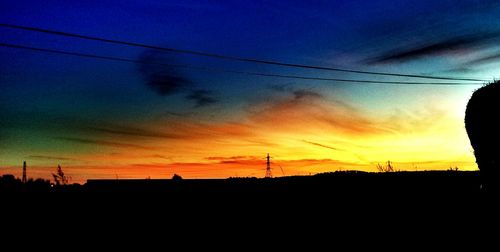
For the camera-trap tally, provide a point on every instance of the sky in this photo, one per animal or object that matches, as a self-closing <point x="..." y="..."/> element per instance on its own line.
<point x="106" y="119"/>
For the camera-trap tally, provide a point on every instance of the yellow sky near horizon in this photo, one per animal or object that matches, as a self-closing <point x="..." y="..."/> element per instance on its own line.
<point x="305" y="134"/>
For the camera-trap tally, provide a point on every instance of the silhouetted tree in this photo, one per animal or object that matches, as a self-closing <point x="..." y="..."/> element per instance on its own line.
<point x="481" y="124"/>
<point x="387" y="168"/>
<point x="10" y="183"/>
<point x="176" y="177"/>
<point x="59" y="177"/>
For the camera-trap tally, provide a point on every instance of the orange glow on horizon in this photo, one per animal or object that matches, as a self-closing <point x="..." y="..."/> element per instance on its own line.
<point x="306" y="135"/>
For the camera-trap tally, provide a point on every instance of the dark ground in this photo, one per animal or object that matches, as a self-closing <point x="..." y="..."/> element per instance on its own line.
<point x="337" y="184"/>
<point x="338" y="188"/>
<point x="422" y="206"/>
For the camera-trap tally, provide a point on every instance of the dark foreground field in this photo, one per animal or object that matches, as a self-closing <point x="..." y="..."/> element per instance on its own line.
<point x="333" y="184"/>
<point x="352" y="200"/>
<point x="326" y="186"/>
<point x="338" y="190"/>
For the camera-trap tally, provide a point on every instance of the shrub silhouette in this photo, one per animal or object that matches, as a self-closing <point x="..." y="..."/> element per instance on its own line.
<point x="481" y="118"/>
<point x="388" y="168"/>
<point x="176" y="177"/>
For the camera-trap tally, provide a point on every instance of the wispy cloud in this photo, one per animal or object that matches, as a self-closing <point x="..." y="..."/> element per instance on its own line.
<point x="160" y="156"/>
<point x="104" y="143"/>
<point x="493" y="58"/>
<point x="322" y="145"/>
<point x="131" y="131"/>
<point x="304" y="93"/>
<point x="57" y="158"/>
<point x="154" y="165"/>
<point x="230" y="158"/>
<point x="242" y="160"/>
<point x="202" y="98"/>
<point x="179" y="114"/>
<point x="461" y="70"/>
<point x="280" y="87"/>
<point x="302" y="110"/>
<point x="436" y="47"/>
<point x="78" y="125"/>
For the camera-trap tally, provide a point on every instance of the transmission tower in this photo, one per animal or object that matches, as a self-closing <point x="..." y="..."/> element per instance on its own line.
<point x="24" y="180"/>
<point x="268" y="168"/>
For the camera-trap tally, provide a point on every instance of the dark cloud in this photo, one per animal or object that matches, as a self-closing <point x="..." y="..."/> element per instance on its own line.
<point x="304" y="93"/>
<point x="104" y="143"/>
<point x="439" y="47"/>
<point x="166" y="80"/>
<point x="162" y="79"/>
<point x="202" y="98"/>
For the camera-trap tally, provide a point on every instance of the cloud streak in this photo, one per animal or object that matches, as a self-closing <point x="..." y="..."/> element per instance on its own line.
<point x="201" y="98"/>
<point x="322" y="145"/>
<point x="304" y="110"/>
<point x="230" y="158"/>
<point x="57" y="158"/>
<point x="439" y="47"/>
<point x="104" y="143"/>
<point x="485" y="60"/>
<point x="303" y="93"/>
<point x="131" y="131"/>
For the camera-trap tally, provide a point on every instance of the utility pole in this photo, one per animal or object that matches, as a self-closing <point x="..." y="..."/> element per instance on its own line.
<point x="268" y="168"/>
<point x="24" y="180"/>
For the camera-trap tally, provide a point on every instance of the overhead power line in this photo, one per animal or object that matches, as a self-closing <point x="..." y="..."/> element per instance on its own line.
<point x="85" y="55"/>
<point x="234" y="58"/>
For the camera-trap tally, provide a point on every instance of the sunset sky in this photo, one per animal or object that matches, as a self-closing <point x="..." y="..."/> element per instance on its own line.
<point x="105" y="119"/>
